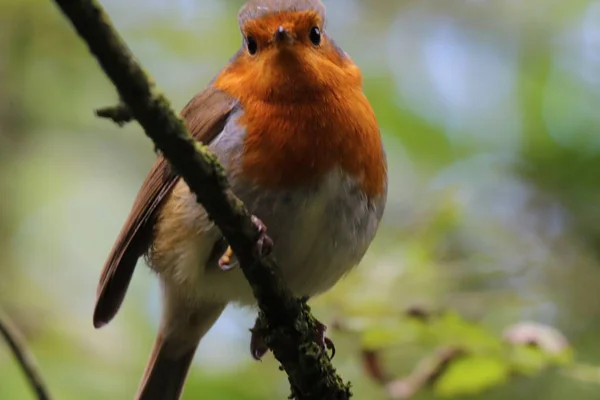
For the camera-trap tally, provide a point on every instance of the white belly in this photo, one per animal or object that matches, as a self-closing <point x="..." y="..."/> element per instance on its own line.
<point x="319" y="234"/>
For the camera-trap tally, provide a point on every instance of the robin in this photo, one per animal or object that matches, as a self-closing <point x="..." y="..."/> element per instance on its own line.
<point x="301" y="146"/>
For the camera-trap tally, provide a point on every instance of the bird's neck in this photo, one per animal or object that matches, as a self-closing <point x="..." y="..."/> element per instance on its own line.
<point x="300" y="127"/>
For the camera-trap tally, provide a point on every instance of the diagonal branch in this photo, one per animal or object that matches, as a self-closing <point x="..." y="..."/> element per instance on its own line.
<point x="25" y="359"/>
<point x="290" y="326"/>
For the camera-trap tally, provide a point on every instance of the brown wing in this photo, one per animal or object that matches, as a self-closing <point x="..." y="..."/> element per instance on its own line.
<point x="205" y="116"/>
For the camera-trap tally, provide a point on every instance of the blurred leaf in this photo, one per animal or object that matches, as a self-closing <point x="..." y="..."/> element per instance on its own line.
<point x="381" y="336"/>
<point x="528" y="360"/>
<point x="452" y="329"/>
<point x="471" y="375"/>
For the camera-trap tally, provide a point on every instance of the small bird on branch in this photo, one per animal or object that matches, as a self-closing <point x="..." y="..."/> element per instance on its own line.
<point x="301" y="146"/>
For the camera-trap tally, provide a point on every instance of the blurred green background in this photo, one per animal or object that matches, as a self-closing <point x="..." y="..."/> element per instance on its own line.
<point x="490" y="112"/>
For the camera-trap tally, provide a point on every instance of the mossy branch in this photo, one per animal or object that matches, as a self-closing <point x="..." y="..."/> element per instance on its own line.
<point x="24" y="358"/>
<point x="290" y="326"/>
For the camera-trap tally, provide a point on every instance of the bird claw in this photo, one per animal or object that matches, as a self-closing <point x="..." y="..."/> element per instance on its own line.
<point x="324" y="342"/>
<point x="263" y="246"/>
<point x="225" y="260"/>
<point x="258" y="347"/>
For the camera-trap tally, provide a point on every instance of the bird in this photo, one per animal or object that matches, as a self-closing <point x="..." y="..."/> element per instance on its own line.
<point x="301" y="146"/>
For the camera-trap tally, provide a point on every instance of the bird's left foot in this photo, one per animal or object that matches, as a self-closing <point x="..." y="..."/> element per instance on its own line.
<point x="258" y="347"/>
<point x="263" y="246"/>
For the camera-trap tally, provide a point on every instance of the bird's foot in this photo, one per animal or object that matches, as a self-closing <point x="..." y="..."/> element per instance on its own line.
<point x="225" y="260"/>
<point x="258" y="347"/>
<point x="321" y="338"/>
<point x="263" y="246"/>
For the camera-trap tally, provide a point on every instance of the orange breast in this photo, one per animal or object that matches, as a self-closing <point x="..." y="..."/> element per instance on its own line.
<point x="296" y="138"/>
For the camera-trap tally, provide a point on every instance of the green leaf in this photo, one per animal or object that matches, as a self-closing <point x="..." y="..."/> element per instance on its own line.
<point x="452" y="329"/>
<point x="471" y="375"/>
<point x="380" y="336"/>
<point x="528" y="360"/>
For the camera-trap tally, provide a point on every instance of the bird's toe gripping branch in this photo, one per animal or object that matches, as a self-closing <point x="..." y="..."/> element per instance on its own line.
<point x="264" y="244"/>
<point x="321" y="338"/>
<point x="258" y="347"/>
<point x="262" y="248"/>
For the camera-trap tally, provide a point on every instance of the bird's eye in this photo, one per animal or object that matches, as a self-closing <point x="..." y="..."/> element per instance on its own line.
<point x="252" y="45"/>
<point x="315" y="35"/>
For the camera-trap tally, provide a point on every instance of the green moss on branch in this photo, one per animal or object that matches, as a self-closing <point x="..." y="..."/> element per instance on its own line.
<point x="290" y="327"/>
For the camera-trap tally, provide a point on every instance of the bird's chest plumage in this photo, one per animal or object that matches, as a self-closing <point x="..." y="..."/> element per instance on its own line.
<point x="321" y="229"/>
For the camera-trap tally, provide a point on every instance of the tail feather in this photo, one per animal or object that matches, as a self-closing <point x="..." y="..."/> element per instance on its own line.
<point x="165" y="374"/>
<point x="174" y="349"/>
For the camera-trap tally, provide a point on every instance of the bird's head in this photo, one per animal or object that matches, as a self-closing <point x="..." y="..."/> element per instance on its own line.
<point x="286" y="51"/>
<point x="282" y="27"/>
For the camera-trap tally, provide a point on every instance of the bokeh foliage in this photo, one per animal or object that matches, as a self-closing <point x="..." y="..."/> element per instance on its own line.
<point x="489" y="114"/>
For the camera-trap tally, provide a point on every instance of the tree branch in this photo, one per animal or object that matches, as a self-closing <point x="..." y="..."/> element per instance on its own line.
<point x="290" y="326"/>
<point x="25" y="359"/>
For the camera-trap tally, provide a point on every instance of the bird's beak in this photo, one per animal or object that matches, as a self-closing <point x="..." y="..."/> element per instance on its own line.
<point x="282" y="36"/>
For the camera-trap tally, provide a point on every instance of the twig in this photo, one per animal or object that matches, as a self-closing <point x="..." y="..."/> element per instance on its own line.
<point x="290" y="325"/>
<point x="119" y="114"/>
<point x="425" y="373"/>
<point x="374" y="367"/>
<point x="24" y="358"/>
